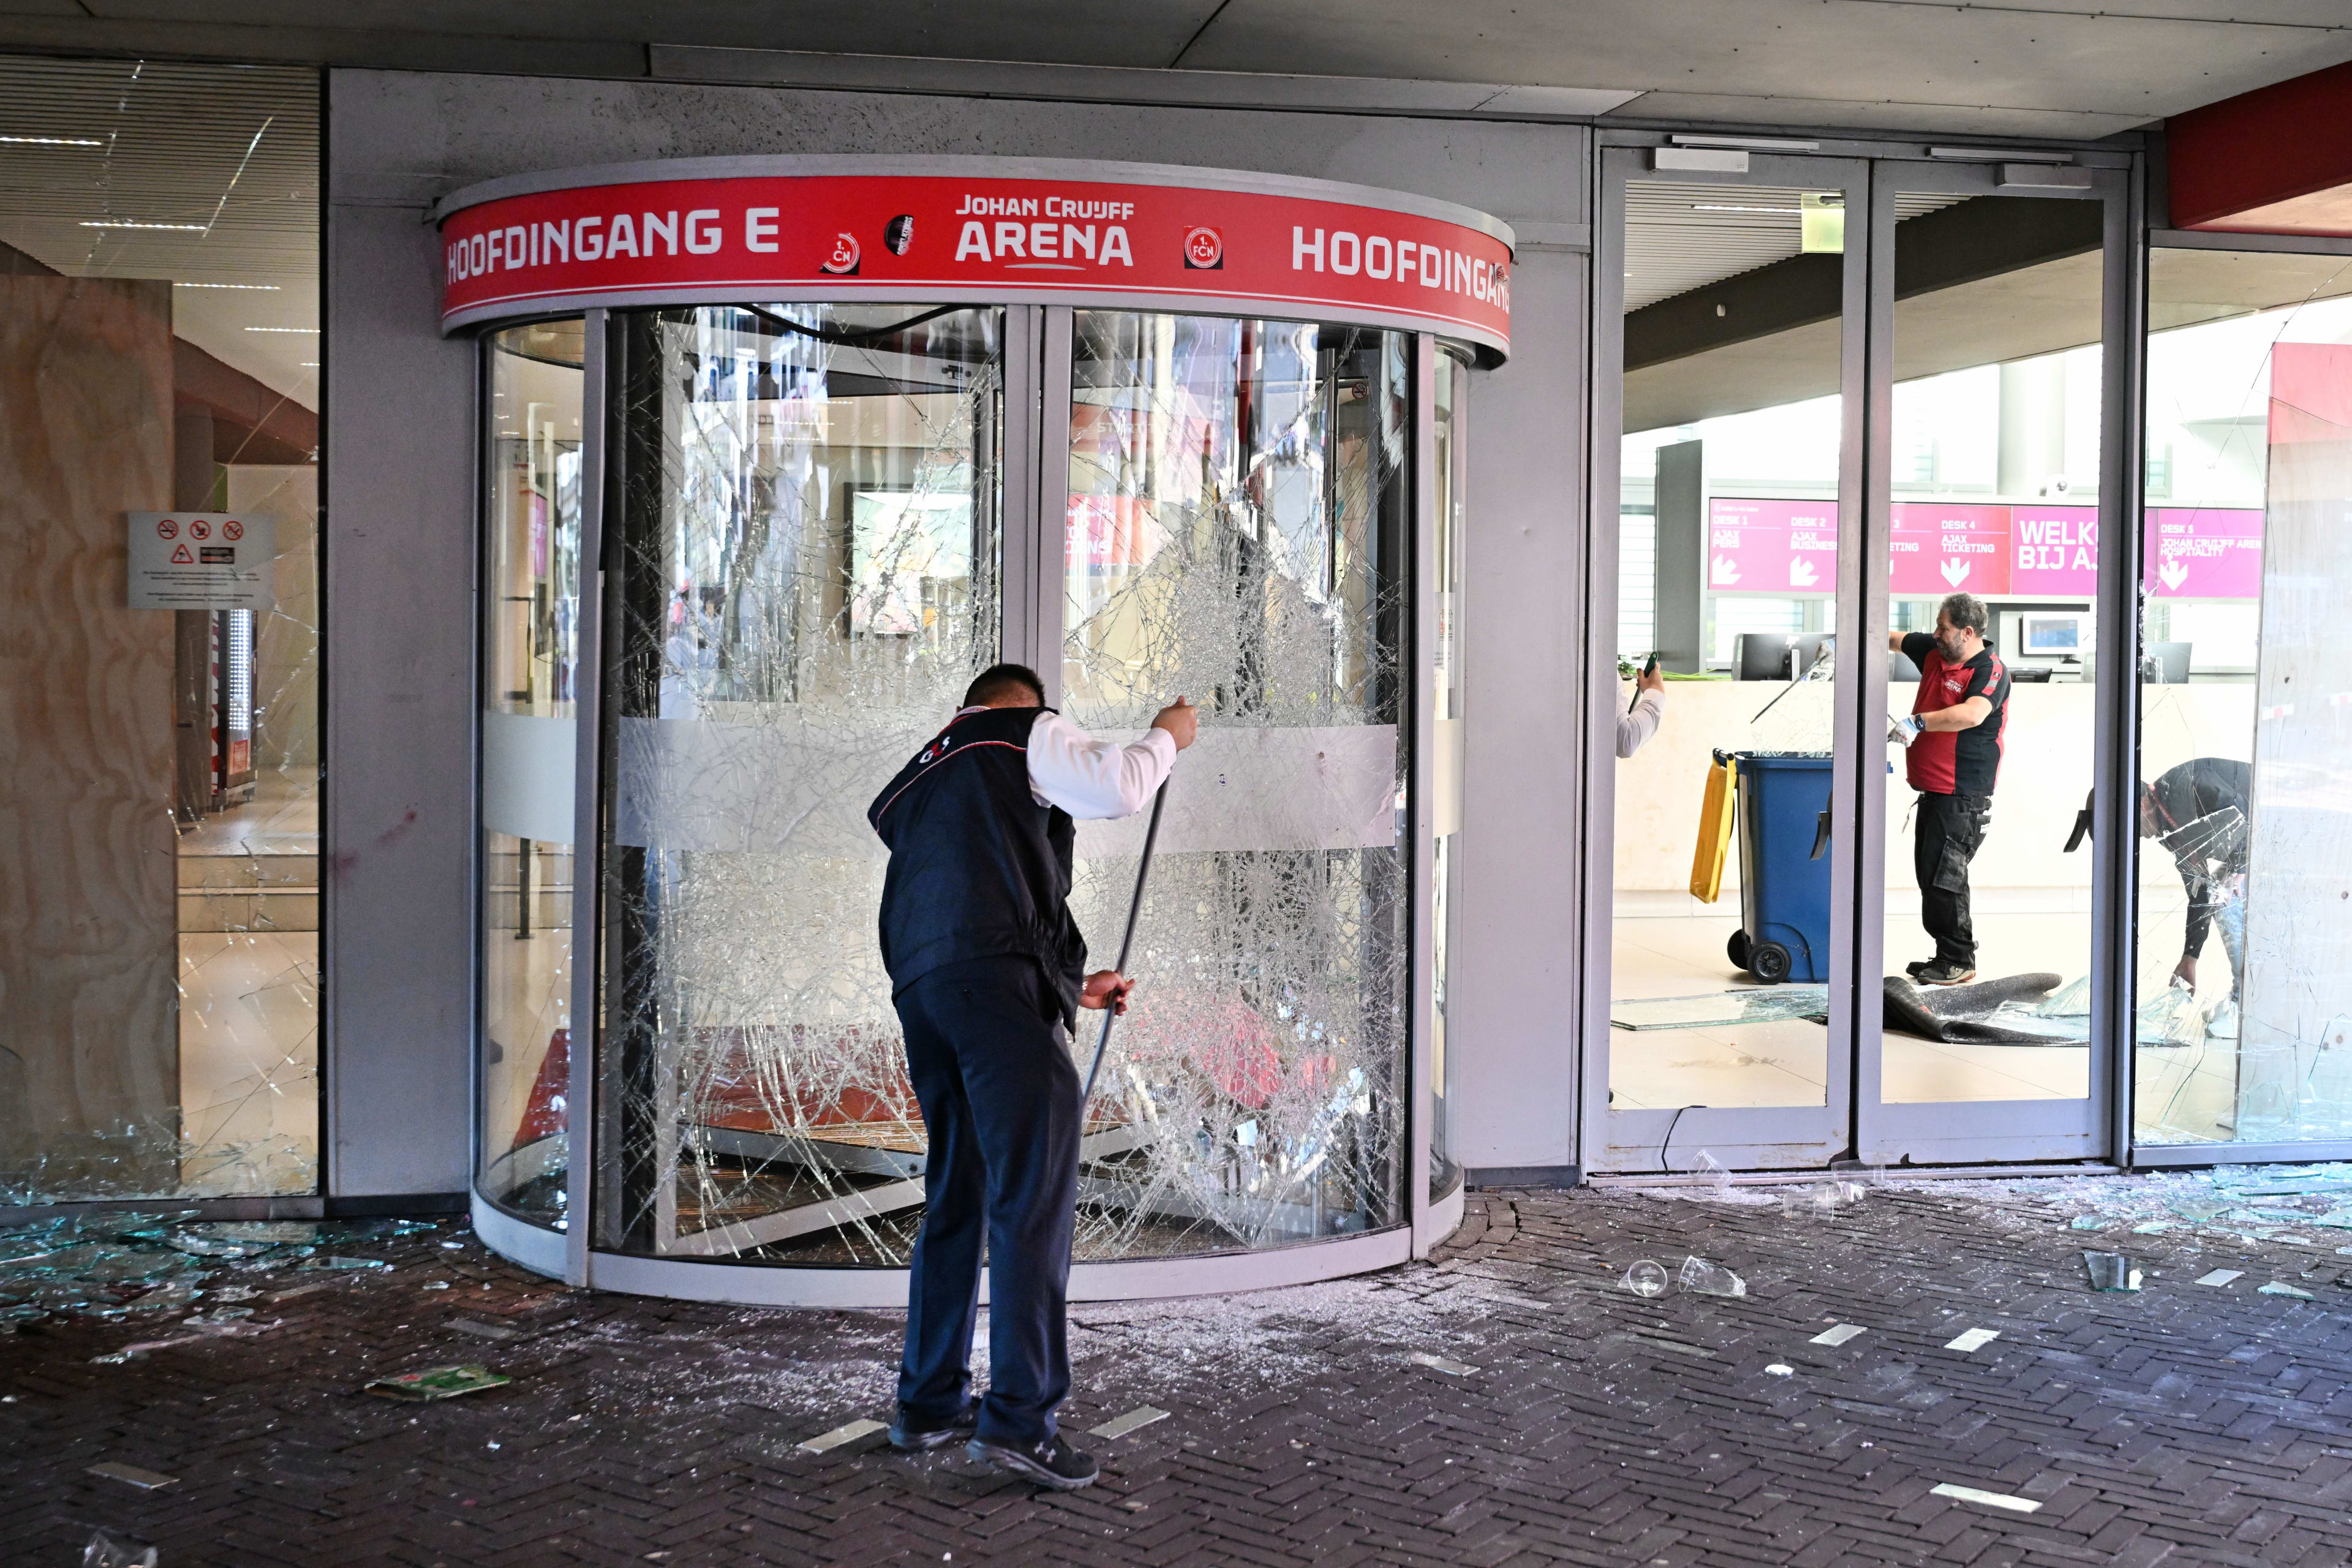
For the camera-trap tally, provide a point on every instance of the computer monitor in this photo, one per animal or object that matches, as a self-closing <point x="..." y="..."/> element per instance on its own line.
<point x="2050" y="636"/>
<point x="2164" y="663"/>
<point x="1760" y="656"/>
<point x="1808" y="650"/>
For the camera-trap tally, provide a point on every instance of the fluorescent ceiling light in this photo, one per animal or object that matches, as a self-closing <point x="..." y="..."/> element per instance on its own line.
<point x="267" y="288"/>
<point x="128" y="223"/>
<point x="1709" y="207"/>
<point x="309" y="365"/>
<point x="281" y="328"/>
<point x="51" y="141"/>
<point x="1754" y="143"/>
<point x="1999" y="155"/>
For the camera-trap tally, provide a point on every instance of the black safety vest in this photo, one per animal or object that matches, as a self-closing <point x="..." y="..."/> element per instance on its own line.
<point x="978" y="869"/>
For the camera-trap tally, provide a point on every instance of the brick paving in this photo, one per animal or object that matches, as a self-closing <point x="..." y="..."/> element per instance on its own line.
<point x="2183" y="1425"/>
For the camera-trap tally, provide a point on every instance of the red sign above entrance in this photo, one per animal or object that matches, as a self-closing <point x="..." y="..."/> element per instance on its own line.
<point x="615" y="238"/>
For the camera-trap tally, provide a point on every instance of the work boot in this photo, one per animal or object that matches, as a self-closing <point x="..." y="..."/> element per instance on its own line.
<point x="1052" y="1464"/>
<point x="912" y="1433"/>
<point x="1943" y="972"/>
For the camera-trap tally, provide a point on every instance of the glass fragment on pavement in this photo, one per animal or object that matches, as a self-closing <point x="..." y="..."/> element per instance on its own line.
<point x="1645" y="1278"/>
<point x="105" y="1551"/>
<point x="2111" y="1271"/>
<point x="1707" y="1279"/>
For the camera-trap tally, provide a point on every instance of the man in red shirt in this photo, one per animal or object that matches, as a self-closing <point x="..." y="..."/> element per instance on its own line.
<point x="1956" y="726"/>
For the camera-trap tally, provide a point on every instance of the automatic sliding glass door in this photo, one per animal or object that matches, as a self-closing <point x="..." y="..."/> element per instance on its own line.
<point x="1866" y="436"/>
<point x="1729" y="302"/>
<point x="1997" y="473"/>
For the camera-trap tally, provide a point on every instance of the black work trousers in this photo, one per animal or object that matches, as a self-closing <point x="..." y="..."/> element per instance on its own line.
<point x="1001" y="1102"/>
<point x="1951" y="830"/>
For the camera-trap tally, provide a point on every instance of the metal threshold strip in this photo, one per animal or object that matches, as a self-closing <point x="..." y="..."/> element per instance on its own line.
<point x="1894" y="1173"/>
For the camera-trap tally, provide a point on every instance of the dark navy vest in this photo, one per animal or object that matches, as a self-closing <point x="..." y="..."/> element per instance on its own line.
<point x="978" y="869"/>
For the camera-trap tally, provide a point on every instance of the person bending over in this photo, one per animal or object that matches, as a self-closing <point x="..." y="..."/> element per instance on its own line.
<point x="988" y="972"/>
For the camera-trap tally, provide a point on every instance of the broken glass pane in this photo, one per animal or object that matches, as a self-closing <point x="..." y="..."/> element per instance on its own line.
<point x="163" y="972"/>
<point x="1747" y="1004"/>
<point x="2243" y="833"/>
<point x="806" y="578"/>
<point x="1239" y="529"/>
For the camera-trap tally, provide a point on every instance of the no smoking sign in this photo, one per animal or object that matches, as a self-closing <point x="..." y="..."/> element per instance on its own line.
<point x="234" y="574"/>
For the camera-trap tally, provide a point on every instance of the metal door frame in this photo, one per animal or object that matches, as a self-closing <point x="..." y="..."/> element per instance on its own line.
<point x="1762" y="1136"/>
<point x="1970" y="1132"/>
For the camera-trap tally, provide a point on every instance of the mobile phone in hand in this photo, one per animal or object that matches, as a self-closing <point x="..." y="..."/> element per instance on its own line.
<point x="1646" y="669"/>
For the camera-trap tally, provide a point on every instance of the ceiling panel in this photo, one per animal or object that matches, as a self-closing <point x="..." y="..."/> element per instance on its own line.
<point x="1684" y="236"/>
<point x="204" y="175"/>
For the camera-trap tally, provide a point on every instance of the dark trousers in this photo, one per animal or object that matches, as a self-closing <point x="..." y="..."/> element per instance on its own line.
<point x="1000" y="1098"/>
<point x="1951" y="830"/>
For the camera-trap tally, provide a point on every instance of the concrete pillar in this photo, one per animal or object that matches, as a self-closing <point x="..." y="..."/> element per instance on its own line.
<point x="1681" y="620"/>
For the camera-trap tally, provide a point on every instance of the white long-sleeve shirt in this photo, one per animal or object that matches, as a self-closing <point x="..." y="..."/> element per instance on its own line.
<point x="1635" y="728"/>
<point x="1093" y="779"/>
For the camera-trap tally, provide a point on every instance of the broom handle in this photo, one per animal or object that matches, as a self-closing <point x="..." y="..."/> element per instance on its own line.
<point x="1143" y="871"/>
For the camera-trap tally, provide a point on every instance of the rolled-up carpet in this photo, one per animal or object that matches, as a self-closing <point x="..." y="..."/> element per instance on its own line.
<point x="1964" y="1014"/>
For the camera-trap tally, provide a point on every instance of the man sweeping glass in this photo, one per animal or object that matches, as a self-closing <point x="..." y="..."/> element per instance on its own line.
<point x="1953" y="739"/>
<point x="988" y="972"/>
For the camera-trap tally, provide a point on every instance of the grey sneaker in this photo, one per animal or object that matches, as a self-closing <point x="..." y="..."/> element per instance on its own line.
<point x="1919" y="967"/>
<point x="1052" y="1464"/>
<point x="1944" y="972"/>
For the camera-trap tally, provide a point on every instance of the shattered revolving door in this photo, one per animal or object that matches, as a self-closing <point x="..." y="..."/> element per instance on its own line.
<point x="815" y="527"/>
<point x="804" y="579"/>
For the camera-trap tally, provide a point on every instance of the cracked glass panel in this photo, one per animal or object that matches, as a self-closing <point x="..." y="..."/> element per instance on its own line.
<point x="529" y="661"/>
<point x="159" y="354"/>
<point x="804" y="575"/>
<point x="2244" y="970"/>
<point x="1238" y="531"/>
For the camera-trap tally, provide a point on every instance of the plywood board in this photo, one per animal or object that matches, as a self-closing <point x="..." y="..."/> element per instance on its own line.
<point x="88" y="1005"/>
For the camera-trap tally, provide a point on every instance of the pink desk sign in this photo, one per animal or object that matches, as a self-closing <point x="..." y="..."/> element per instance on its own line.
<point x="2204" y="552"/>
<point x="2054" y="550"/>
<point x="1779" y="547"/>
<point x="1936" y="549"/>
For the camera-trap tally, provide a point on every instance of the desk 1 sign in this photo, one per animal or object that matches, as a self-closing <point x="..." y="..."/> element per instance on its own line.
<point x="201" y="561"/>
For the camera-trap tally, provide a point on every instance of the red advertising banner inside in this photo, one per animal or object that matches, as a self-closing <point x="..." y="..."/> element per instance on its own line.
<point x="1789" y="548"/>
<point x="908" y="237"/>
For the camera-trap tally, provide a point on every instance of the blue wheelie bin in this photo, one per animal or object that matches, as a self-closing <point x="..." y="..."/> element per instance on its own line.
<point x="1784" y="869"/>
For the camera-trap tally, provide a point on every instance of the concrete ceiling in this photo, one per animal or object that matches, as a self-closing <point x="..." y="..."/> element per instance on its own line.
<point x="2053" y="69"/>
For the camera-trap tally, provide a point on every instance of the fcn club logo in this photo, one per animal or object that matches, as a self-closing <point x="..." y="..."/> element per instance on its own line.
<point x="1205" y="249"/>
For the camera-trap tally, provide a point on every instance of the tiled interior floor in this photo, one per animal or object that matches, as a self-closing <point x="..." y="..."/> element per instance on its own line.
<point x="2184" y="1094"/>
<point x="1783" y="1063"/>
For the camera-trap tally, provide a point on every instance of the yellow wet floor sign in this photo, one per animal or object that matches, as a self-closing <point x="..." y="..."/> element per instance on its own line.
<point x="1714" y="833"/>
